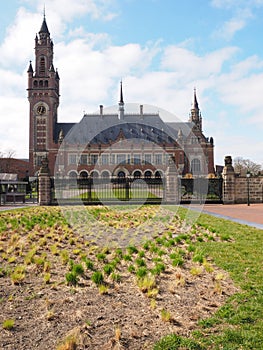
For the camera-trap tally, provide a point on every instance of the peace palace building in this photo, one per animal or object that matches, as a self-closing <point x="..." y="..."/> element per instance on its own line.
<point x="105" y="144"/>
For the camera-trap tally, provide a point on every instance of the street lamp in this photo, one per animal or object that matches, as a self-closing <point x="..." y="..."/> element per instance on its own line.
<point x="248" y="197"/>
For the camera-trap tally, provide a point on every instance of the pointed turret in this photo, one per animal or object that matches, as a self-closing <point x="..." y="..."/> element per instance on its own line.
<point x="121" y="104"/>
<point x="195" y="116"/>
<point x="57" y="75"/>
<point x="52" y="69"/>
<point x="30" y="68"/>
<point x="44" y="28"/>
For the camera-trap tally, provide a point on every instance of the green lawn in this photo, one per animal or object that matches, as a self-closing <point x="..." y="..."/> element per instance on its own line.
<point x="116" y="194"/>
<point x="239" y="323"/>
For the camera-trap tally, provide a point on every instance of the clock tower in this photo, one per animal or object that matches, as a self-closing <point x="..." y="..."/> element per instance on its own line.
<point x="43" y="96"/>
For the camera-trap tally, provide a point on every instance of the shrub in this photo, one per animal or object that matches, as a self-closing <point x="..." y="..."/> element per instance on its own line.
<point x="71" y="278"/>
<point x="199" y="257"/>
<point x="132" y="249"/>
<point x="89" y="264"/>
<point x="103" y="289"/>
<point x="118" y="252"/>
<point x="47" y="277"/>
<point x="78" y="269"/>
<point x="108" y="269"/>
<point x="131" y="268"/>
<point x="191" y="248"/>
<point x="140" y="262"/>
<point x="177" y="261"/>
<point x="115" y="277"/>
<point x="166" y="315"/>
<point x="127" y="257"/>
<point x="97" y="278"/>
<point x="158" y="269"/>
<point x="141" y="272"/>
<point x="64" y="255"/>
<point x="18" y="275"/>
<point x="146" y="283"/>
<point x="8" y="324"/>
<point x="101" y="256"/>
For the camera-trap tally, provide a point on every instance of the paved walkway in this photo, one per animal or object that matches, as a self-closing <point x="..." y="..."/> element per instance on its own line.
<point x="4" y="207"/>
<point x="242" y="213"/>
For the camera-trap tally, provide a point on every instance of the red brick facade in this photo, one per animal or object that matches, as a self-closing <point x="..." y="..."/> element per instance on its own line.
<point x="97" y="141"/>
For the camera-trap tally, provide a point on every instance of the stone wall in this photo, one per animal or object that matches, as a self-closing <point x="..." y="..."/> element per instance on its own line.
<point x="252" y="188"/>
<point x="240" y="189"/>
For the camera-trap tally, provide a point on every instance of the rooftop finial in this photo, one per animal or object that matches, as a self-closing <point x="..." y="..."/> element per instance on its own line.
<point x="44" y="11"/>
<point x="121" y="104"/>
<point x="121" y="94"/>
<point x="195" y="104"/>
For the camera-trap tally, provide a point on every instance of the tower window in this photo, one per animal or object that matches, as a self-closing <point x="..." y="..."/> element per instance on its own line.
<point x="42" y="66"/>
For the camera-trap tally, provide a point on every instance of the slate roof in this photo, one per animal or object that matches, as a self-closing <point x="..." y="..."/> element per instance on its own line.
<point x="44" y="28"/>
<point x="103" y="128"/>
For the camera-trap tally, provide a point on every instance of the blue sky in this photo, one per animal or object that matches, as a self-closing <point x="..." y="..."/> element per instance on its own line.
<point x="161" y="49"/>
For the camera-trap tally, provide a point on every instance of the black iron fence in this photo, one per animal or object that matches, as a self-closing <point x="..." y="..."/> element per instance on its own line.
<point x="133" y="190"/>
<point x="108" y="190"/>
<point x="201" y="189"/>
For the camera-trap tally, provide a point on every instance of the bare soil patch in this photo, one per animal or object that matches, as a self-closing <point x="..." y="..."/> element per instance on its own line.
<point x="48" y="314"/>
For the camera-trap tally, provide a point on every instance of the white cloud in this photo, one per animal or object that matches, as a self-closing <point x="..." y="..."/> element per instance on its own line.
<point x="19" y="39"/>
<point x="14" y="125"/>
<point x="67" y="10"/>
<point x="192" y="66"/>
<point x="239" y="21"/>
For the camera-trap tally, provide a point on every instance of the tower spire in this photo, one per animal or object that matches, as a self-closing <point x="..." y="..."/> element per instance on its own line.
<point x="121" y="93"/>
<point x="195" y="104"/>
<point x="121" y="103"/>
<point x="44" y="28"/>
<point x="195" y="116"/>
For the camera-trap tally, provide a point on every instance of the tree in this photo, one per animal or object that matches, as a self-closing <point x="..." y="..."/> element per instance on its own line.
<point x="6" y="160"/>
<point x="244" y="166"/>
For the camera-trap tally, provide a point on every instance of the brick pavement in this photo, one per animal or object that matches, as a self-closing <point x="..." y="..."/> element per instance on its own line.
<point x="251" y="215"/>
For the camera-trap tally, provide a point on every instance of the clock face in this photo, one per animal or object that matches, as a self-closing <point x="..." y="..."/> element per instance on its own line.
<point x="41" y="110"/>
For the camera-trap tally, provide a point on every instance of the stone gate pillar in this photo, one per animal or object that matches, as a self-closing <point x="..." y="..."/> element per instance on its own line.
<point x="228" y="181"/>
<point x="44" y="184"/>
<point x="171" y="184"/>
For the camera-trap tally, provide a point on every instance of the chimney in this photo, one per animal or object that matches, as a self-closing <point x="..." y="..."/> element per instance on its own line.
<point x="101" y="109"/>
<point x="141" y="110"/>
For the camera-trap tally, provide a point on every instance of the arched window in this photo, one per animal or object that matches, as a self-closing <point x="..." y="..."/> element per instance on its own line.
<point x="72" y="174"/>
<point x="158" y="174"/>
<point x="46" y="83"/>
<point x="137" y="174"/>
<point x="121" y="174"/>
<point x="148" y="174"/>
<point x="84" y="174"/>
<point x="105" y="174"/>
<point x="195" y="166"/>
<point x="94" y="174"/>
<point x="35" y="83"/>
